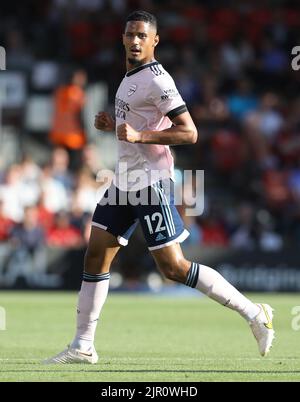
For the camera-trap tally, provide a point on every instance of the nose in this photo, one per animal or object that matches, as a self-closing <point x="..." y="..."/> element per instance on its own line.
<point x="135" y="40"/>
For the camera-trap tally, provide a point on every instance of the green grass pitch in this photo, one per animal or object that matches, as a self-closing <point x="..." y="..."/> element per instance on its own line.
<point x="147" y="338"/>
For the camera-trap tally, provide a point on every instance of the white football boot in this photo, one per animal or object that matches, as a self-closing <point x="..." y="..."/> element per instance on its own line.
<point x="72" y="355"/>
<point x="262" y="328"/>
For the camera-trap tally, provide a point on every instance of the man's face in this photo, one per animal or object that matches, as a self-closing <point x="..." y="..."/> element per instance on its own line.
<point x="139" y="39"/>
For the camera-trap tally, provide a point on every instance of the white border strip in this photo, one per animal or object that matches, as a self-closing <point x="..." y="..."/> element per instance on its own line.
<point x="167" y="204"/>
<point x="122" y="241"/>
<point x="98" y="225"/>
<point x="168" y="212"/>
<point x="166" y="219"/>
<point x="178" y="239"/>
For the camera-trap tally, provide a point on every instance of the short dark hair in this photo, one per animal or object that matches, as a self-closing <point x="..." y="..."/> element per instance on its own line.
<point x="141" y="15"/>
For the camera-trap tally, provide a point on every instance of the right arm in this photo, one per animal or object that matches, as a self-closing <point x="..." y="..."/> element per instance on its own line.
<point x="104" y="122"/>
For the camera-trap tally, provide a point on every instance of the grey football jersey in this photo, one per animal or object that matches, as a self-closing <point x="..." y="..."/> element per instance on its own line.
<point x="147" y="99"/>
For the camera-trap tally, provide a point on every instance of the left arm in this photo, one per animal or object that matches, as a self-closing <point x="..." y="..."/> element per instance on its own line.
<point x="182" y="132"/>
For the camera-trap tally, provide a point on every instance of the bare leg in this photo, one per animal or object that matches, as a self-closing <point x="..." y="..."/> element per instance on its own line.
<point x="176" y="267"/>
<point x="101" y="251"/>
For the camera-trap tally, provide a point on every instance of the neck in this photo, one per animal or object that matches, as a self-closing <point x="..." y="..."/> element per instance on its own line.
<point x="132" y="65"/>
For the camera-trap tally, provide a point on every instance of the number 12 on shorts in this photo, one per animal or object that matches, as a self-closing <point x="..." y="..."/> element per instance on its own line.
<point x="157" y="220"/>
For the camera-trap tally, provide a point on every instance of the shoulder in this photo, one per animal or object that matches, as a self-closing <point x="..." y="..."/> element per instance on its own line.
<point x="157" y="70"/>
<point x="158" y="73"/>
<point x="159" y="78"/>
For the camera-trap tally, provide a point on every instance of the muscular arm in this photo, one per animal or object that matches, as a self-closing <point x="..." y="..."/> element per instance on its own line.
<point x="182" y="132"/>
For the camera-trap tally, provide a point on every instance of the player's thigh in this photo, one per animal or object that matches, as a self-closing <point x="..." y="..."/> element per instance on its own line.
<point x="101" y="250"/>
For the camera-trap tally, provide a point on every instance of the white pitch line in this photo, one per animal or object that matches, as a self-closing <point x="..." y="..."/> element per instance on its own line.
<point x="107" y="359"/>
<point x="19" y="360"/>
<point x="207" y="359"/>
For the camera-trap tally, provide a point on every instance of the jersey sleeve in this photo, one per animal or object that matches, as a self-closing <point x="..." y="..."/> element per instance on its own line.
<point x="165" y="96"/>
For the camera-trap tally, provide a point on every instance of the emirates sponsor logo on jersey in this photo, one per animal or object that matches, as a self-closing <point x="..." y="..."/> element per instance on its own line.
<point x="132" y="89"/>
<point x="121" y="107"/>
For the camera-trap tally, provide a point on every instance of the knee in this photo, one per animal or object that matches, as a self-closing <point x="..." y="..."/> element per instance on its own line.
<point x="174" y="270"/>
<point x="92" y="253"/>
<point x="93" y="259"/>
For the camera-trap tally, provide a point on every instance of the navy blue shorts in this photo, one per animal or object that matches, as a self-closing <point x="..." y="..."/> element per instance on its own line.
<point x="119" y="213"/>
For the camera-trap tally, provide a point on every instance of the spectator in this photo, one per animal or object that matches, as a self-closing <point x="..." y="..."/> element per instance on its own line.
<point x="213" y="232"/>
<point x="85" y="193"/>
<point x="67" y="128"/>
<point x="28" y="241"/>
<point x="92" y="159"/>
<point x="12" y="193"/>
<point x="63" y="234"/>
<point x="262" y="128"/>
<point x="60" y="168"/>
<point x="243" y="100"/>
<point x="55" y="195"/>
<point x="244" y="233"/>
<point x="6" y="224"/>
<point x="236" y="56"/>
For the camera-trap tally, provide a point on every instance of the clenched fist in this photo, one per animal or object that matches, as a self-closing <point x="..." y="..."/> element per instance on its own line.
<point x="104" y="122"/>
<point x="126" y="133"/>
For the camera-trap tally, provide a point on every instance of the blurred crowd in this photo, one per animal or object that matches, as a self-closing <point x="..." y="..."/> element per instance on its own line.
<point x="231" y="62"/>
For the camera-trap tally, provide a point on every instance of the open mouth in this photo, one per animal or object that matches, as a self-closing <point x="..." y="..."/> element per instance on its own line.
<point x="135" y="52"/>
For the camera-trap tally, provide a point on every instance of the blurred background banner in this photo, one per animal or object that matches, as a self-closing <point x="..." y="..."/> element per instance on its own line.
<point x="234" y="64"/>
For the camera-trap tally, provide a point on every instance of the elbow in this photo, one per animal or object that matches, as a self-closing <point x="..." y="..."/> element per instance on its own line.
<point x="193" y="137"/>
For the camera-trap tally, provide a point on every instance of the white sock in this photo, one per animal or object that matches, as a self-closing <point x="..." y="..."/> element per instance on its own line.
<point x="92" y="296"/>
<point x="211" y="283"/>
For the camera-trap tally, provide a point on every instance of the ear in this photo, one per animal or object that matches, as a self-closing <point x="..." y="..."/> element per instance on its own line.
<point x="156" y="40"/>
<point x="123" y="39"/>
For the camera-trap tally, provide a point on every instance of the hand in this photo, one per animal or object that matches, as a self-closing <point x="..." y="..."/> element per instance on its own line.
<point x="126" y="133"/>
<point x="104" y="122"/>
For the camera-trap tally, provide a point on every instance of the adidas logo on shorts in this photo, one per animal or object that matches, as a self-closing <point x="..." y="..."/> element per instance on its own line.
<point x="160" y="237"/>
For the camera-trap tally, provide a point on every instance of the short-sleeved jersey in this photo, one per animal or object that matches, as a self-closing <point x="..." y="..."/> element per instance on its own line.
<point x="147" y="99"/>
